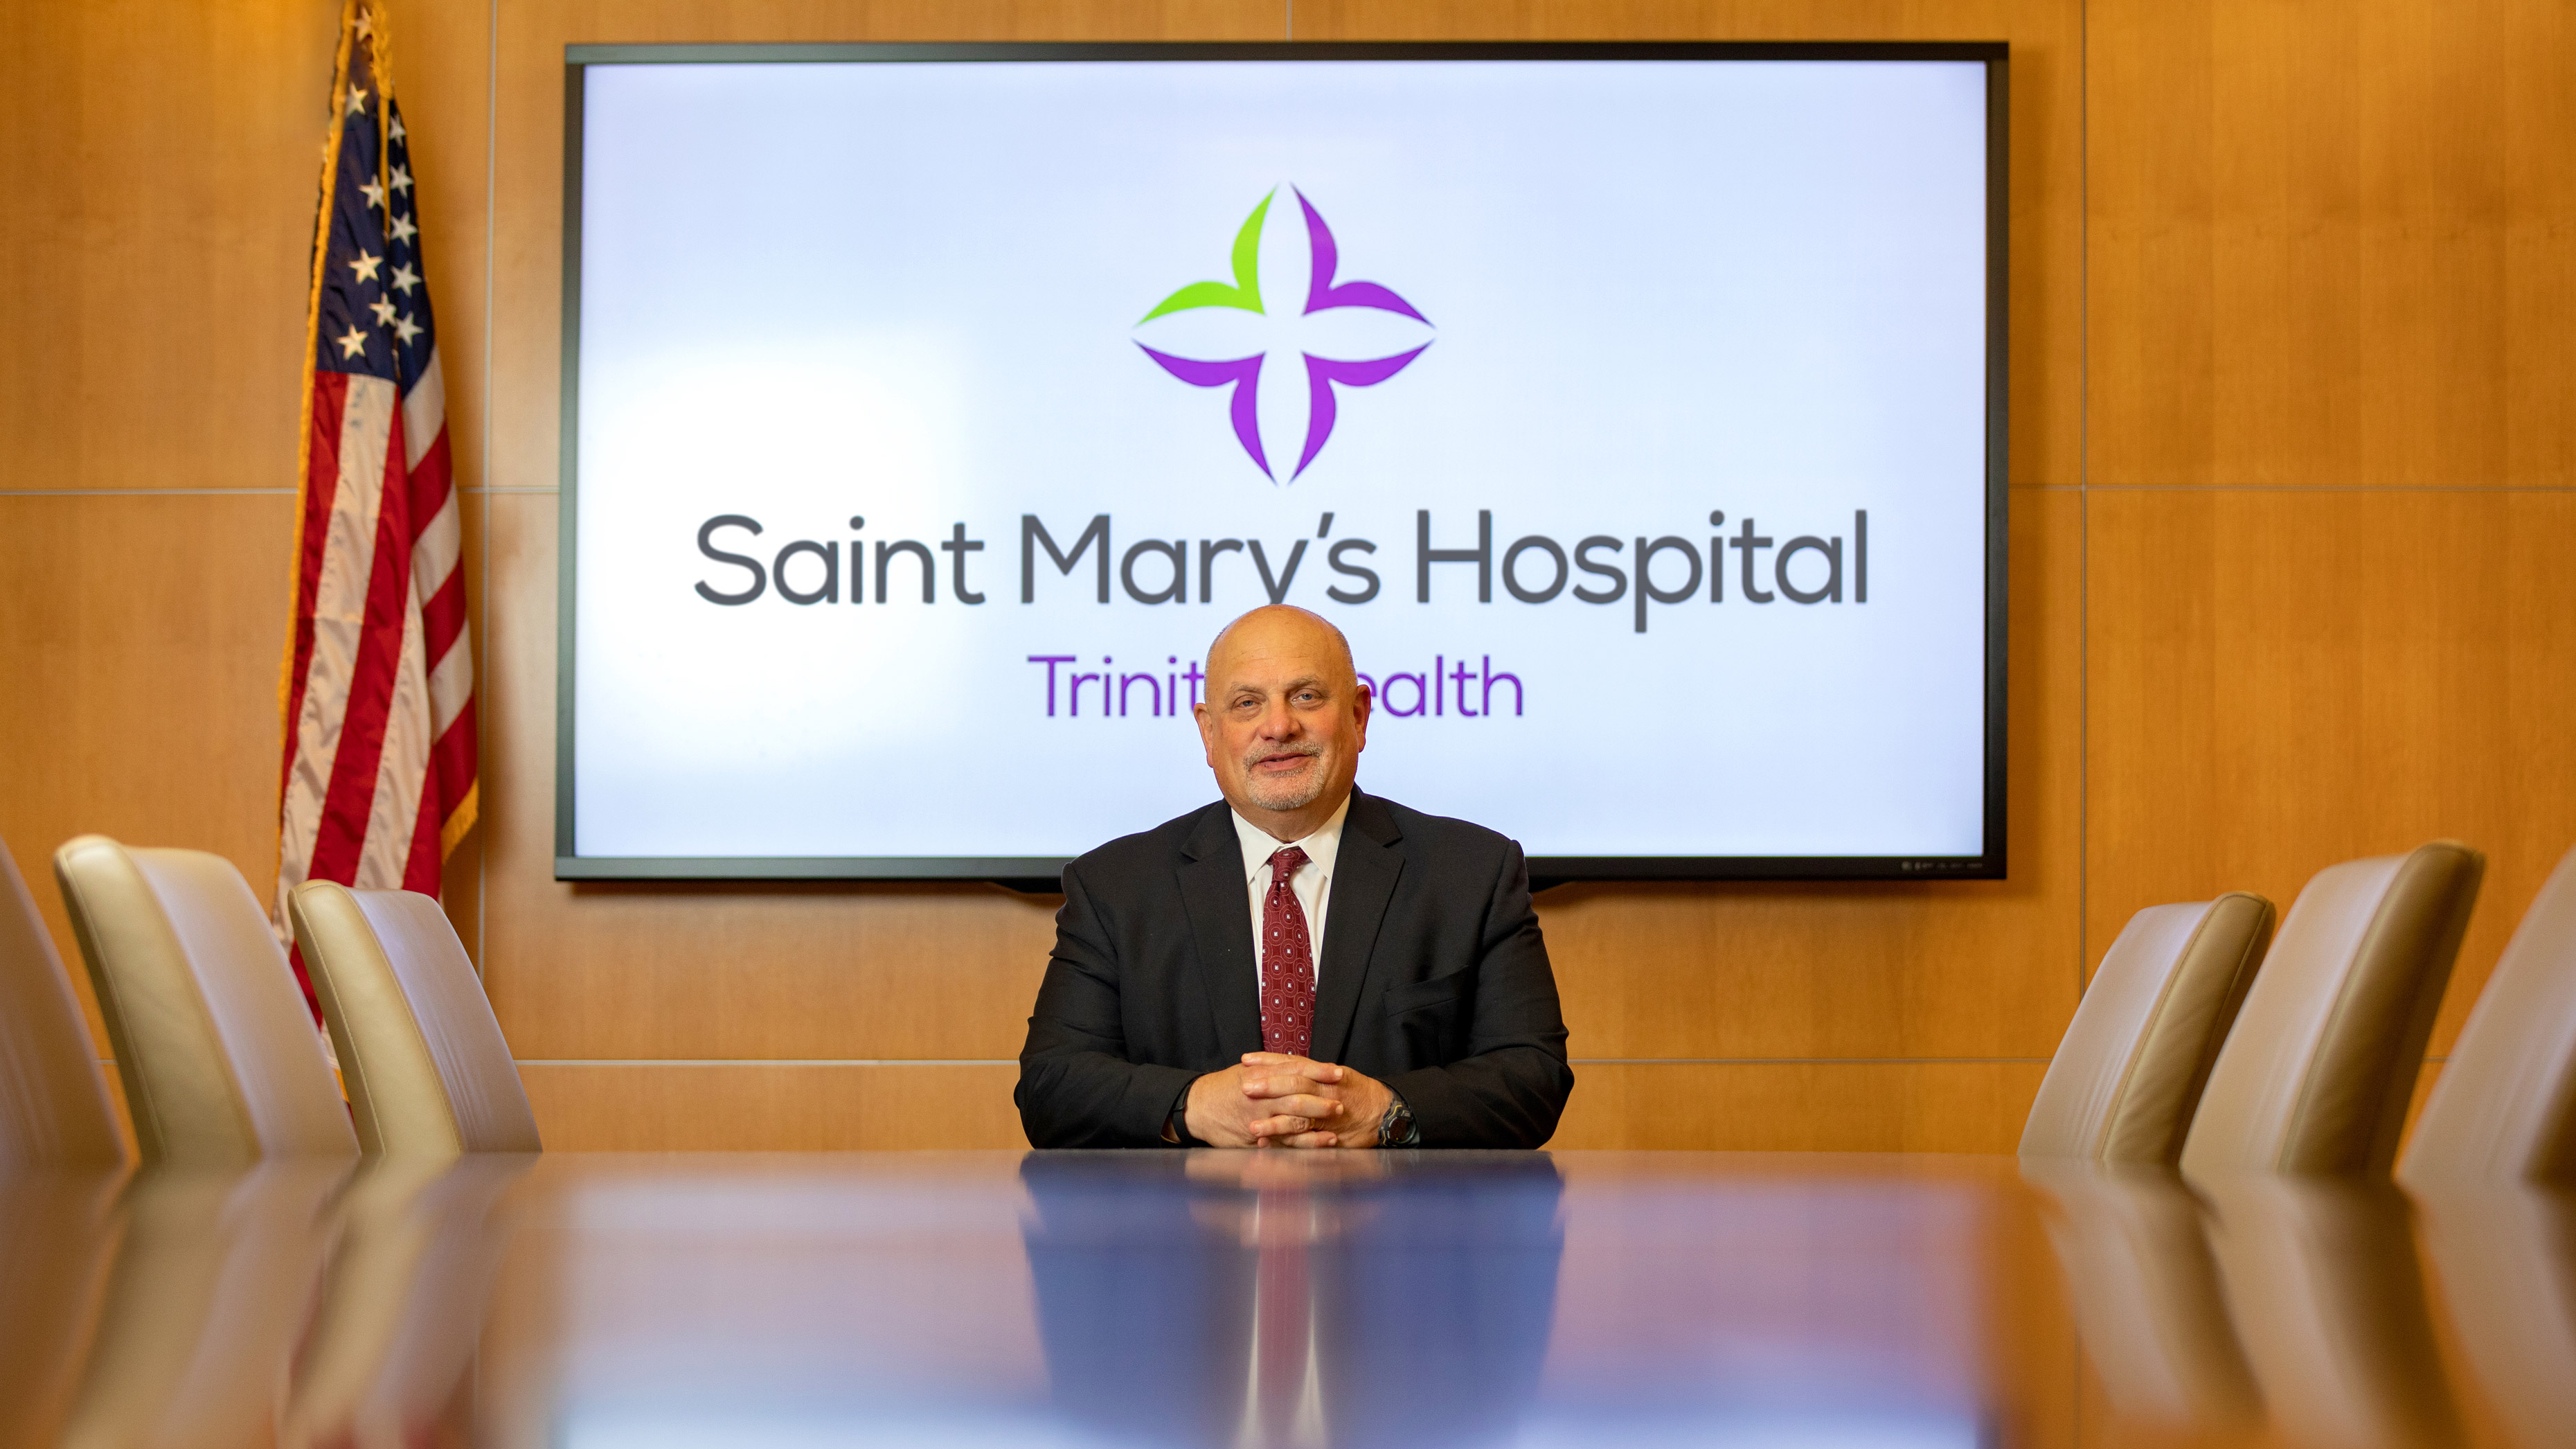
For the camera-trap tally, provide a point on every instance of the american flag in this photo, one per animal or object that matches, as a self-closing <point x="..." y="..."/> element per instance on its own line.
<point x="379" y="777"/>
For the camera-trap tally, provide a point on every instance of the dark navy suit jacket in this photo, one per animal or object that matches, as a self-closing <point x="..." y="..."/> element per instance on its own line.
<point x="1434" y="981"/>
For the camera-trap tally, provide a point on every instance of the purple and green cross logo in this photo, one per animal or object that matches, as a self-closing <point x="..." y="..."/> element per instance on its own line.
<point x="1323" y="373"/>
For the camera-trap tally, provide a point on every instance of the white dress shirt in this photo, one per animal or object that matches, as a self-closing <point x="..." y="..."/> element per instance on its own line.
<point x="1312" y="885"/>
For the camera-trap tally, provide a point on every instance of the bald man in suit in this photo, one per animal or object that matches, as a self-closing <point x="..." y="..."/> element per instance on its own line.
<point x="1301" y="964"/>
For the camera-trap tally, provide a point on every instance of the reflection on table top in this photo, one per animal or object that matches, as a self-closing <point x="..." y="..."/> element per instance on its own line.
<point x="1247" y="1299"/>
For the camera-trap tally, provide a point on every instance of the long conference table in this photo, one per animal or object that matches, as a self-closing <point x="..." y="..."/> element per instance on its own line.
<point x="1275" y="1298"/>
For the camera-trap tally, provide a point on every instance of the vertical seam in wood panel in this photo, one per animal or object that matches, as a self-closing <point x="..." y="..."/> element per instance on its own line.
<point x="491" y="261"/>
<point x="2083" y="575"/>
<point x="2083" y="492"/>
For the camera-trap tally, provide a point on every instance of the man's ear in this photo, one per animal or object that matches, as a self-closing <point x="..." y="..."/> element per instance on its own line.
<point x="1207" y="731"/>
<point x="1359" y="717"/>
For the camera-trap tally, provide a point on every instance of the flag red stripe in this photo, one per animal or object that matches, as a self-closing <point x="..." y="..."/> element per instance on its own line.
<point x="443" y="612"/>
<point x="442" y="617"/>
<point x="451" y="765"/>
<point x="421" y="867"/>
<point x="341" y="834"/>
<point x="321" y="486"/>
<point x="429" y="482"/>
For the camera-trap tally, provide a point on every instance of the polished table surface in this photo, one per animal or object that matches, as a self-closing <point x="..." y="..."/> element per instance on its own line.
<point x="1247" y="1299"/>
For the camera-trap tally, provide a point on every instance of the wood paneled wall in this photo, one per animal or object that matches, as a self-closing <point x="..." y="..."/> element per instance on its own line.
<point x="2294" y="468"/>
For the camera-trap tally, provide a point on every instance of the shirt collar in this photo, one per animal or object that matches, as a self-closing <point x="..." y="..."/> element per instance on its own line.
<point x="1259" y="844"/>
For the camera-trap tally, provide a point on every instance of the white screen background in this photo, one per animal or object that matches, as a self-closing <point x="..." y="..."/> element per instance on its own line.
<point x="911" y="292"/>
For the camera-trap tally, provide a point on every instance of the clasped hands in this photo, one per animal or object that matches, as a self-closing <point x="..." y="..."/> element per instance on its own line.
<point x="1272" y="1099"/>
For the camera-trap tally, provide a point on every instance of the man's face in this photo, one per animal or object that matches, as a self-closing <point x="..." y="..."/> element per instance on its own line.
<point x="1284" y="720"/>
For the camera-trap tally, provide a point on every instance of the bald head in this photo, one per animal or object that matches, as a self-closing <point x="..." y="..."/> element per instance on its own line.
<point x="1275" y="627"/>
<point x="1285" y="719"/>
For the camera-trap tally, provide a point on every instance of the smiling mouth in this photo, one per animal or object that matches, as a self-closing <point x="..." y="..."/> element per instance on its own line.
<point x="1281" y="764"/>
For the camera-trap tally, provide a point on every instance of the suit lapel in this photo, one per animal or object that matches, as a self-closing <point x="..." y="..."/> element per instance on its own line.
<point x="1220" y="911"/>
<point x="1364" y="876"/>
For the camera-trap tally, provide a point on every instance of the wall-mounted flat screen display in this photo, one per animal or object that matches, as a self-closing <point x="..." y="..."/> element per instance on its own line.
<point x="1636" y="411"/>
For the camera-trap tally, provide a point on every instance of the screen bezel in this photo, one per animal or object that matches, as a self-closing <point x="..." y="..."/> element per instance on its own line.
<point x="1040" y="872"/>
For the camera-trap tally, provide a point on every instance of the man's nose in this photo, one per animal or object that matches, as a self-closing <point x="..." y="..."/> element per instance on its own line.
<point x="1279" y="722"/>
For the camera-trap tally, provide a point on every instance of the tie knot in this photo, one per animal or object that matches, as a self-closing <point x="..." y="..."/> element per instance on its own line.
<point x="1285" y="862"/>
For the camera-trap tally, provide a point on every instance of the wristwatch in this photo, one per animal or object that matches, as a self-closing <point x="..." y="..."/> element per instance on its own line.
<point x="1397" y="1128"/>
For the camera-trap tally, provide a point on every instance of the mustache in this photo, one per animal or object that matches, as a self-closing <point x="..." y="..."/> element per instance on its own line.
<point x="1307" y="748"/>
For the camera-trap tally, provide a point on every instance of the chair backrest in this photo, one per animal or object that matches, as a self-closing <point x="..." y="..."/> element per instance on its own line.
<point x="425" y="1063"/>
<point x="220" y="1060"/>
<point x="2132" y="1064"/>
<point x="53" y="1101"/>
<point x="2316" y="1074"/>
<point x="2504" y="1107"/>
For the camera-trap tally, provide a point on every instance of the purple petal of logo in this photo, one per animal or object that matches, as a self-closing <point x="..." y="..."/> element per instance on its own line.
<point x="1245" y="374"/>
<point x="1320" y="291"/>
<point x="1321" y="374"/>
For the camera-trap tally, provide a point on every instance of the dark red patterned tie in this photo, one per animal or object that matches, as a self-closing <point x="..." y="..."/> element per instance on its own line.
<point x="1287" y="961"/>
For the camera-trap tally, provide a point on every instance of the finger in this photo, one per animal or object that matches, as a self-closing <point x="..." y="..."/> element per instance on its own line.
<point x="1302" y="1104"/>
<point x="1299" y="1104"/>
<point x="1288" y="1087"/>
<point x="1280" y="1126"/>
<point x="1301" y="1066"/>
<point x="1308" y="1139"/>
<point x="1289" y="1079"/>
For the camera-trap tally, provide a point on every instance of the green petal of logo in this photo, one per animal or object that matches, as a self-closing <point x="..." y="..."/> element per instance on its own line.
<point x="1246" y="291"/>
<point x="1323" y="374"/>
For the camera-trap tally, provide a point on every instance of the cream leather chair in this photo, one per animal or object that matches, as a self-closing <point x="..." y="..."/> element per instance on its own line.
<point x="221" y="1064"/>
<point x="428" y="1072"/>
<point x="53" y="1101"/>
<point x="2316" y="1074"/>
<point x="2131" y="1067"/>
<point x="2504" y="1108"/>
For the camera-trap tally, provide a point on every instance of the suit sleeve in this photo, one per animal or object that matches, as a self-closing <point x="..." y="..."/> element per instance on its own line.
<point x="1510" y="1088"/>
<point x="1077" y="1087"/>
